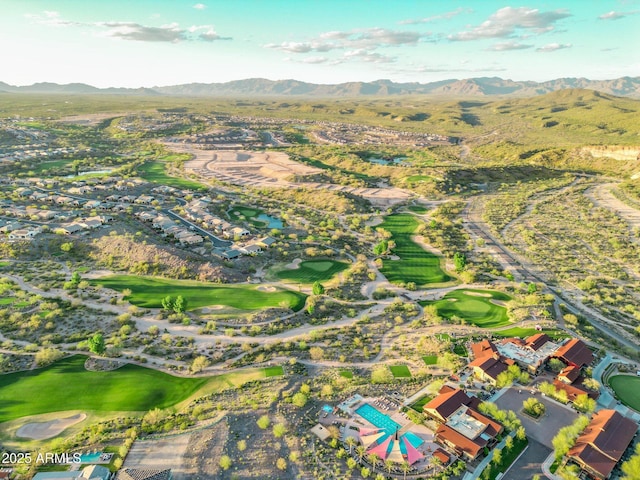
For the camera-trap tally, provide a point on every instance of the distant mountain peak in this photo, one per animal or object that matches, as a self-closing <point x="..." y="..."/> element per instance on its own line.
<point x="471" y="87"/>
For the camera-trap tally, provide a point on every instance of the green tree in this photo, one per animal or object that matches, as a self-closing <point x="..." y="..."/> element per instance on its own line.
<point x="199" y="363"/>
<point x="459" y="261"/>
<point x="242" y="445"/>
<point x="381" y="374"/>
<point x="279" y="429"/>
<point x="318" y="288"/>
<point x="96" y="344"/>
<point x="631" y="468"/>
<point x="225" y="462"/>
<point x="556" y="365"/>
<point x="167" y="302"/>
<point x="263" y="422"/>
<point x="299" y="399"/>
<point x="381" y="247"/>
<point x="66" y="247"/>
<point x="584" y="403"/>
<point x="281" y="463"/>
<point x="75" y="278"/>
<point x="180" y="304"/>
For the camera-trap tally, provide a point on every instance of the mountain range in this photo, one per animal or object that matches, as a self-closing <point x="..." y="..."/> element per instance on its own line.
<point x="472" y="87"/>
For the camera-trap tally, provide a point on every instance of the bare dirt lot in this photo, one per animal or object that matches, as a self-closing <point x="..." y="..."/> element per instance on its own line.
<point x="272" y="169"/>
<point x="163" y="453"/>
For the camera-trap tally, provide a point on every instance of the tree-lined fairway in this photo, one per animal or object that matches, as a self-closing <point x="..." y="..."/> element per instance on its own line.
<point x="312" y="270"/>
<point x="473" y="306"/>
<point x="627" y="389"/>
<point x="415" y="264"/>
<point x="148" y="292"/>
<point x="67" y="385"/>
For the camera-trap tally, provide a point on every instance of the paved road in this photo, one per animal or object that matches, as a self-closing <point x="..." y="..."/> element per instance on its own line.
<point x="473" y="222"/>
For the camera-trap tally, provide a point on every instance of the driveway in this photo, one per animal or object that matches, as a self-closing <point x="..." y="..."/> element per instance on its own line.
<point x="544" y="429"/>
<point x="529" y="463"/>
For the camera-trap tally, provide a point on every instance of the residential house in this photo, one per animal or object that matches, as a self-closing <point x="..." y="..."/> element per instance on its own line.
<point x="238" y="232"/>
<point x="601" y="445"/>
<point x="69" y="229"/>
<point x="25" y="234"/>
<point x="251" y="249"/>
<point x="266" y="241"/>
<point x="449" y="399"/>
<point x="488" y="368"/>
<point x="230" y="254"/>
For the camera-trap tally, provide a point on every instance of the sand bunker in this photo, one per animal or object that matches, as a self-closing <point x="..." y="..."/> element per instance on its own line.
<point x="213" y="308"/>
<point x="44" y="430"/>
<point x="294" y="265"/>
<point x="266" y="289"/>
<point x="477" y="294"/>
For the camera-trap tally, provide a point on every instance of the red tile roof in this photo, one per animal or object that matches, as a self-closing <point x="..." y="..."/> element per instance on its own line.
<point x="575" y="352"/>
<point x="603" y="442"/>
<point x="483" y="348"/>
<point x="574" y="390"/>
<point x="446" y="403"/>
<point x="491" y="366"/>
<point x="449" y="436"/>
<point x="442" y="456"/>
<point x="569" y="374"/>
<point x="535" y="342"/>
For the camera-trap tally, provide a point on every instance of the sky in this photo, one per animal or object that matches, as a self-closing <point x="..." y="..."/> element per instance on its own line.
<point x="146" y="43"/>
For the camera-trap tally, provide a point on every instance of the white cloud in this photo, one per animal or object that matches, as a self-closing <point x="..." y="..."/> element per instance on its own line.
<point x="435" y="18"/>
<point x="502" y="47"/>
<point x="504" y="23"/>
<point x="133" y="31"/>
<point x="199" y="6"/>
<point x="368" y="57"/>
<point x="613" y="15"/>
<point x="552" y="47"/>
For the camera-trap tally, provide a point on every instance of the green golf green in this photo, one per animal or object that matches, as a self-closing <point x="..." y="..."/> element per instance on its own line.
<point x="430" y="359"/>
<point x="155" y="172"/>
<point x="416" y="264"/>
<point x="473" y="306"/>
<point x="311" y="271"/>
<point x="149" y="291"/>
<point x="400" y="371"/>
<point x="67" y="385"/>
<point x="627" y="389"/>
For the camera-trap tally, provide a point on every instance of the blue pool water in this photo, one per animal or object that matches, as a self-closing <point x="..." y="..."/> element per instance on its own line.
<point x="377" y="418"/>
<point x="327" y="408"/>
<point x="413" y="439"/>
<point x="90" y="457"/>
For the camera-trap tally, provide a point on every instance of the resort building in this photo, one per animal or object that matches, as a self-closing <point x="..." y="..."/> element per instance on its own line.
<point x="575" y="353"/>
<point x="463" y="429"/>
<point x="601" y="446"/>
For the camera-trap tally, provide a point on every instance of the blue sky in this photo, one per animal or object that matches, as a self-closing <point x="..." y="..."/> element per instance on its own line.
<point x="137" y="43"/>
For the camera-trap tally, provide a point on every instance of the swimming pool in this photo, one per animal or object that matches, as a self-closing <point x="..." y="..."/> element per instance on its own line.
<point x="90" y="457"/>
<point x="413" y="439"/>
<point x="327" y="408"/>
<point x="377" y="418"/>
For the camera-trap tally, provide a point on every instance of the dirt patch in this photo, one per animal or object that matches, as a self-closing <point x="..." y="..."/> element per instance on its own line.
<point x="162" y="453"/>
<point x="204" y="451"/>
<point x="101" y="364"/>
<point x="44" y="430"/>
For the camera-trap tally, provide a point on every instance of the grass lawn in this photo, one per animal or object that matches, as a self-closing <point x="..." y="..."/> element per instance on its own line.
<point x="627" y="389"/>
<point x="274" y="371"/>
<point x="478" y="310"/>
<point x="422" y="401"/>
<point x="400" y="371"/>
<point x="155" y="171"/>
<point x="346" y="373"/>
<point x="507" y="459"/>
<point x="66" y="385"/>
<point x="7" y="300"/>
<point x="148" y="292"/>
<point x="419" y="209"/>
<point x="310" y="271"/>
<point x="527" y="332"/>
<point x="430" y="359"/>
<point x="418" y="179"/>
<point x="415" y="264"/>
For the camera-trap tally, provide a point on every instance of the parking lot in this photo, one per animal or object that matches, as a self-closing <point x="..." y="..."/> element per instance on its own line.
<point x="543" y="429"/>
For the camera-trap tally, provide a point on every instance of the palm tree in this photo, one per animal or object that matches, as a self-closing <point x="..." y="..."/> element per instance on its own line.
<point x="405" y="468"/>
<point x="351" y="441"/>
<point x="389" y="465"/>
<point x="373" y="460"/>
<point x="360" y="450"/>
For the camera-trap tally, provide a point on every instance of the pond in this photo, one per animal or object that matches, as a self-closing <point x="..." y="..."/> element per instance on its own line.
<point x="384" y="161"/>
<point x="272" y="222"/>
